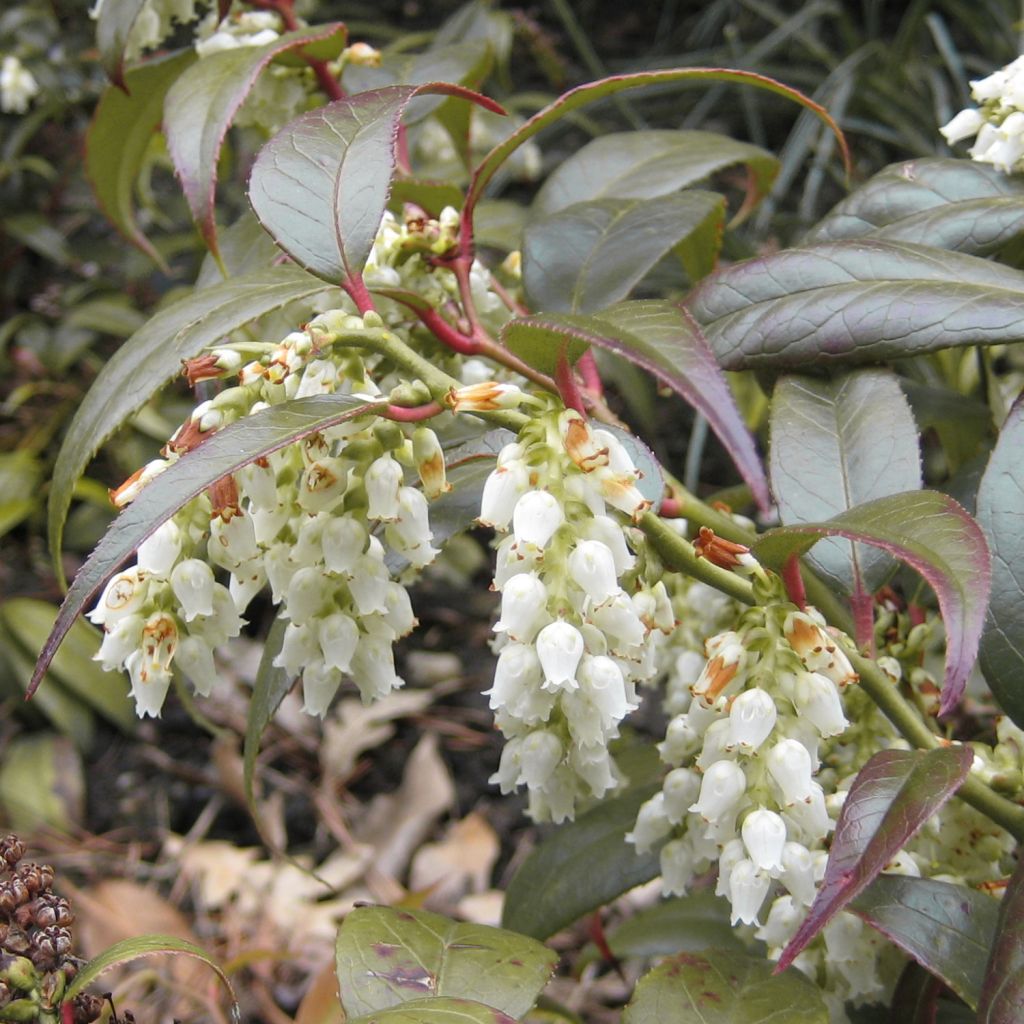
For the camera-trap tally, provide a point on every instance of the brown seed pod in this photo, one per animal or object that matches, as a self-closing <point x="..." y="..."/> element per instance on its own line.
<point x="47" y="909"/>
<point x="8" y="899"/>
<point x="86" y="1008"/>
<point x="49" y="945"/>
<point x="35" y="877"/>
<point x="20" y="891"/>
<point x="12" y="849"/>
<point x="16" y="941"/>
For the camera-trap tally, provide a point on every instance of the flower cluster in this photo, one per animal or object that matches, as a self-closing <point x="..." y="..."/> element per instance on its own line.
<point x="575" y="632"/>
<point x="18" y="86"/>
<point x="153" y="23"/>
<point x="998" y="120"/>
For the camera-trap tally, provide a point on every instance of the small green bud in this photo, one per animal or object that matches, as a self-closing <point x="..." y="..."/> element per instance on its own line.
<point x="51" y="990"/>
<point x="21" y="973"/>
<point x="20" y="1010"/>
<point x="372" y="319"/>
<point x="410" y="393"/>
<point x="389" y="435"/>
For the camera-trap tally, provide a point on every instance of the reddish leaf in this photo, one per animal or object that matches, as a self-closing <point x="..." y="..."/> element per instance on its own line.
<point x="894" y="794"/>
<point x="930" y="532"/>
<point x="1002" y="995"/>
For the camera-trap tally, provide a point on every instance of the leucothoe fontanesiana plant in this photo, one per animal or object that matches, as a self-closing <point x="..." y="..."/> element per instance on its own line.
<point x="377" y="381"/>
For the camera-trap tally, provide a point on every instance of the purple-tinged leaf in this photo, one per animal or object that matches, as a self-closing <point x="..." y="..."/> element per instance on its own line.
<point x="1002" y="994"/>
<point x="1000" y="507"/>
<point x="836" y="443"/>
<point x="948" y="929"/>
<point x="202" y="104"/>
<point x="222" y="453"/>
<point x="933" y="534"/>
<point x="436" y="1010"/>
<point x="894" y="794"/>
<point x="113" y="27"/>
<point x="854" y="302"/>
<point x="119" y="136"/>
<point x="584" y="94"/>
<point x="662" y="339"/>
<point x="320" y="186"/>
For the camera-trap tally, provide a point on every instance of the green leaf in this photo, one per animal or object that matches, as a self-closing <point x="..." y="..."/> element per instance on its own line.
<point x="33" y="231"/>
<point x="648" y="164"/>
<point x="999" y="513"/>
<point x="113" y="27"/>
<point x="321" y="184"/>
<point x="152" y="357"/>
<point x="202" y="104"/>
<point x="661" y="338"/>
<point x="723" y="987"/>
<point x="222" y="453"/>
<point x="961" y="423"/>
<point x="119" y="136"/>
<point x="949" y="204"/>
<point x="930" y="532"/>
<point x="433" y="196"/>
<point x="893" y="795"/>
<point x="436" y="1011"/>
<point x="1002" y="995"/>
<point x="387" y="956"/>
<point x="145" y="945"/>
<point x="834" y="445"/>
<point x="593" y="254"/>
<point x="584" y="94"/>
<point x="580" y="866"/>
<point x="948" y="929"/>
<point x="42" y="784"/>
<point x="851" y="302"/>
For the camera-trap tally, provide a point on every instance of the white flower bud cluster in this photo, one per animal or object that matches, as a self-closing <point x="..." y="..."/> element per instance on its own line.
<point x="18" y="86"/>
<point x="153" y="23"/>
<point x="574" y="634"/>
<point x="998" y="121"/>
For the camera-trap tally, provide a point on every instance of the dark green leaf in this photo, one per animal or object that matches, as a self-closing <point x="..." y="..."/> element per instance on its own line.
<point x="433" y="196"/>
<point x="647" y="164"/>
<point x="930" y="532"/>
<point x="723" y="987"/>
<point x="153" y="356"/>
<point x="948" y="204"/>
<point x="387" y="956"/>
<point x="581" y="866"/>
<point x="321" y="184"/>
<point x="437" y="1011"/>
<point x="593" y="254"/>
<point x="946" y="928"/>
<point x="834" y="445"/>
<point x="1002" y="995"/>
<point x="222" y="453"/>
<point x="855" y="302"/>
<point x="203" y="102"/>
<point x="893" y="795"/>
<point x="961" y="423"/>
<point x="119" y="136"/>
<point x="1000" y="502"/>
<point x="662" y="339"/>
<point x="113" y="28"/>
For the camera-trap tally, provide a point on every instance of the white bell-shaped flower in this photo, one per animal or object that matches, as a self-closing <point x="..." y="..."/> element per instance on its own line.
<point x="601" y="680"/>
<point x="343" y="540"/>
<point x="246" y="582"/>
<point x="320" y="683"/>
<point x="502" y="490"/>
<point x="509" y="766"/>
<point x="617" y="618"/>
<point x="721" y="790"/>
<point x="373" y="668"/>
<point x="592" y="568"/>
<point x="523" y="607"/>
<point x="784" y="918"/>
<point x="613" y="536"/>
<point x="594" y="765"/>
<point x="125" y="594"/>
<point x="536" y="517"/>
<point x="280" y="569"/>
<point x="160" y="550"/>
<point x="150" y="683"/>
<point x="652" y="824"/>
<point x="751" y="719"/>
<point x="798" y="873"/>
<point x="222" y="623"/>
<point x="789" y="765"/>
<point x="962" y="126"/>
<point x="299" y="647"/>
<point x="511" y="559"/>
<point x="337" y="635"/>
<point x="195" y="658"/>
<point x="383" y="480"/>
<point x="716" y="746"/>
<point x="731" y="854"/>
<point x="410" y="533"/>
<point x="560" y="647"/>
<point x="811" y="815"/>
<point x="748" y="886"/>
<point x="258" y="483"/>
<point x="681" y="741"/>
<point x="517" y="685"/>
<point x="678" y="867"/>
<point x="764" y="835"/>
<point x="120" y="639"/>
<point x="399" y="615"/>
<point x="817" y="699"/>
<point x="369" y="584"/>
<point x="192" y="582"/>
<point x="232" y="539"/>
<point x="539" y="756"/>
<point x="681" y="788"/>
<point x="306" y="592"/>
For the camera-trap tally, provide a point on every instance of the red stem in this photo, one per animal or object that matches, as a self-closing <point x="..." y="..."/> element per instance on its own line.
<point x="565" y="380"/>
<point x="862" y="605"/>
<point x="445" y="333"/>
<point x="794" y="582"/>
<point x="328" y="83"/>
<point x="359" y="294"/>
<point x="590" y="374"/>
<point x="411" y="413"/>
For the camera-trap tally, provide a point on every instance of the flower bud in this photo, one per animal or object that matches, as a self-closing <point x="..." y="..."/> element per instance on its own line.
<point x="484" y="397"/>
<point x="382" y="480"/>
<point x="764" y="835"/>
<point x="751" y="719"/>
<point x="681" y="741"/>
<point x="430" y="466"/>
<point x="305" y="596"/>
<point x="320" y="683"/>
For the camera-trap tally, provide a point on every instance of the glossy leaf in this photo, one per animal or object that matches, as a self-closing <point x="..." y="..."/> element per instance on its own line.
<point x="1002" y="995"/>
<point x="321" y="184"/>
<point x="119" y="136"/>
<point x="152" y="357"/>
<point x="662" y="339"/>
<point x="723" y="987"/>
<point x="145" y="945"/>
<point x="593" y="254"/>
<point x="580" y="866"/>
<point x="579" y="97"/>
<point x="835" y="444"/>
<point x="113" y="27"/>
<point x="387" y="956"/>
<point x="1000" y="499"/>
<point x="893" y="795"/>
<point x="933" y="534"/>
<point x="202" y="104"/>
<point x="437" y="1011"/>
<point x="949" y="204"/>
<point x="859" y="301"/>
<point x="948" y="929"/>
<point x="224" y="452"/>
<point x="647" y="164"/>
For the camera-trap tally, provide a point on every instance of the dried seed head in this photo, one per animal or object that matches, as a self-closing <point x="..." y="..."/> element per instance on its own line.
<point x="49" y="909"/>
<point x="12" y="849"/>
<point x="35" y="877"/>
<point x="86" y="1008"/>
<point x="49" y="945"/>
<point x="8" y="899"/>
